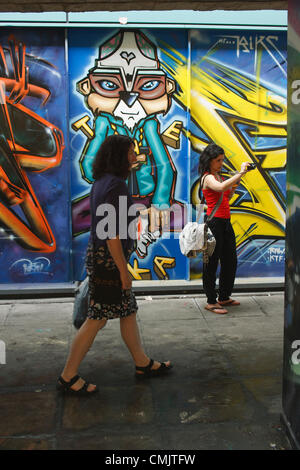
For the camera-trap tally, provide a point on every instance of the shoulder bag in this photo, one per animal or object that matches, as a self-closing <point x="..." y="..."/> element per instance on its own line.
<point x="197" y="238"/>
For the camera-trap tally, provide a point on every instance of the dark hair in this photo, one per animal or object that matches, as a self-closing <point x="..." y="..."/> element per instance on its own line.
<point x="112" y="157"/>
<point x="209" y="153"/>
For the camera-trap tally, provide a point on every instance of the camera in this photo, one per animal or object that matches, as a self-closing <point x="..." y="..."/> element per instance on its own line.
<point x="251" y="166"/>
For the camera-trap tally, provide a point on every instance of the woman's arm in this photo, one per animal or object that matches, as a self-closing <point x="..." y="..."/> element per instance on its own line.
<point x="116" y="250"/>
<point x="232" y="191"/>
<point x="211" y="183"/>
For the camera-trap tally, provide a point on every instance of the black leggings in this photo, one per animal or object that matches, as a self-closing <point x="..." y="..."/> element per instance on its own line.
<point x="225" y="252"/>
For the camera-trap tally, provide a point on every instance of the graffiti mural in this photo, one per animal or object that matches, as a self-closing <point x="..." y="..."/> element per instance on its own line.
<point x="238" y="100"/>
<point x="33" y="186"/>
<point x="126" y="89"/>
<point x="233" y="92"/>
<point x="173" y="92"/>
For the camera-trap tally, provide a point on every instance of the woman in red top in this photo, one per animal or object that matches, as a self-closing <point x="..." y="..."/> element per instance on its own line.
<point x="212" y="185"/>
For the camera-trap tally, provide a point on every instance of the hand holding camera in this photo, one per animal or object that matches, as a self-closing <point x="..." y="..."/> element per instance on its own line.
<point x="247" y="167"/>
<point x="251" y="166"/>
<point x="237" y="176"/>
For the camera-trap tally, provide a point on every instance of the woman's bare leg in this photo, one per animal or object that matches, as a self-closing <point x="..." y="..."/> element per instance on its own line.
<point x="131" y="336"/>
<point x="79" y="348"/>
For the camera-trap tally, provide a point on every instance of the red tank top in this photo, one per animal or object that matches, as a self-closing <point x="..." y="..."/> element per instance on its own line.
<point x="212" y="197"/>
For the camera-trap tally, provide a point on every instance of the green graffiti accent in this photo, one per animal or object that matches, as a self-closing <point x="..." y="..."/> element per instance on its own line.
<point x="110" y="46"/>
<point x="146" y="48"/>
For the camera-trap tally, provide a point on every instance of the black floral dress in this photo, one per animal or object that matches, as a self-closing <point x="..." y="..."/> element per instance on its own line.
<point x="107" y="299"/>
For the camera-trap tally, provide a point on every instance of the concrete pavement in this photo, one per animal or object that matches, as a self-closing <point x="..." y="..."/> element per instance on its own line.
<point x="223" y="393"/>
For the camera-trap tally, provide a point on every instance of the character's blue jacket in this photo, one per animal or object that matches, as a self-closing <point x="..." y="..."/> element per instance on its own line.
<point x="156" y="177"/>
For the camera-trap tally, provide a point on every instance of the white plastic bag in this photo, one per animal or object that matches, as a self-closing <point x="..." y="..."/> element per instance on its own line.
<point x="196" y="238"/>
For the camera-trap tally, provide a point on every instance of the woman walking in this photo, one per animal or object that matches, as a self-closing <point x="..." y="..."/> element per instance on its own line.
<point x="212" y="185"/>
<point x="110" y="245"/>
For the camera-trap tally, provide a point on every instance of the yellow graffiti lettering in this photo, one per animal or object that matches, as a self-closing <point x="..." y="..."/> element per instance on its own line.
<point x="171" y="136"/>
<point x="138" y="273"/>
<point x="159" y="265"/>
<point x="274" y="159"/>
<point x="82" y="124"/>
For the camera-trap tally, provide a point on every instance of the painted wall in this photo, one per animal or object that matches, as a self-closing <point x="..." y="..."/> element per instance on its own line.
<point x="155" y="121"/>
<point x="238" y="100"/>
<point x="35" y="238"/>
<point x="187" y="88"/>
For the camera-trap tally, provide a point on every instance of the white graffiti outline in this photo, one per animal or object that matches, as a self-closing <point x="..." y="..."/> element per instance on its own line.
<point x="36" y="266"/>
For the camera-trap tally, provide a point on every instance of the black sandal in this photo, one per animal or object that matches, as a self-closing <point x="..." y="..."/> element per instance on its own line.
<point x="65" y="387"/>
<point x="148" y="372"/>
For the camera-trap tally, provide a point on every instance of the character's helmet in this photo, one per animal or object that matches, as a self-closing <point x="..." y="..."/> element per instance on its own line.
<point x="128" y="53"/>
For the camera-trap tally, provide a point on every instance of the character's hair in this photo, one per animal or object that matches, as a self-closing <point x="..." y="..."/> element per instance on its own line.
<point x="209" y="153"/>
<point x="112" y="157"/>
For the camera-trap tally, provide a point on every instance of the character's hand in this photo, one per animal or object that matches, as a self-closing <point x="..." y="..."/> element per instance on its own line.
<point x="158" y="220"/>
<point x="142" y="158"/>
<point x="165" y="219"/>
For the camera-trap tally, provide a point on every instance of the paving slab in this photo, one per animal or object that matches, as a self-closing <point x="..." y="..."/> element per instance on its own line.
<point x="4" y="311"/>
<point x="35" y="367"/>
<point x="52" y="313"/>
<point x="271" y="305"/>
<point x="192" y="334"/>
<point x="238" y="329"/>
<point x="226" y="436"/>
<point x="255" y="357"/>
<point x="267" y="391"/>
<point x="168" y="309"/>
<point x="26" y="346"/>
<point x="132" y="404"/>
<point x="205" y="362"/>
<point x="27" y="413"/>
<point x="112" y="438"/>
<point x="200" y="402"/>
<point x="25" y="444"/>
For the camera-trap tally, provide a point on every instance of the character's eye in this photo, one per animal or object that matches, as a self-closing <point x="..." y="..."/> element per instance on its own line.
<point x="107" y="85"/>
<point x="150" y="86"/>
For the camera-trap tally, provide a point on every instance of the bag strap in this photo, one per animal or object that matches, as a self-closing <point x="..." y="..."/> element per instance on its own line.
<point x="92" y="224"/>
<point x="201" y="209"/>
<point x="92" y="215"/>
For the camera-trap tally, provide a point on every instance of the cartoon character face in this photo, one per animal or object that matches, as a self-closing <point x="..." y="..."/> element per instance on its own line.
<point x="127" y="80"/>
